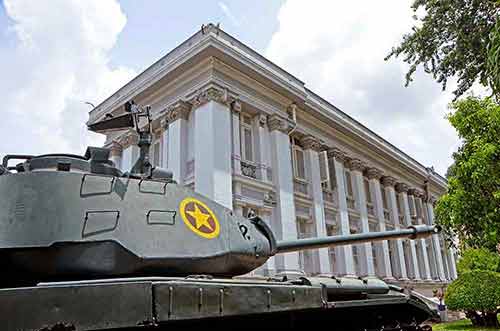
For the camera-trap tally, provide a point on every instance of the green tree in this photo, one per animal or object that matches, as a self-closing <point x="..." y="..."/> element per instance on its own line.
<point x="477" y="293"/>
<point x="452" y="39"/>
<point x="471" y="207"/>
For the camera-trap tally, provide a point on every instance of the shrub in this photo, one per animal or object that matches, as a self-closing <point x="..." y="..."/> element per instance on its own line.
<point x="478" y="259"/>
<point x="477" y="292"/>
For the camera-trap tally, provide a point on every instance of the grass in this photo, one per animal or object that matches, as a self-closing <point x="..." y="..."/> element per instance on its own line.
<point x="459" y="326"/>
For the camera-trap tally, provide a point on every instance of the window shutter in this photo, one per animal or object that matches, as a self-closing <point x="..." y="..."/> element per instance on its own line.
<point x="301" y="171"/>
<point x="367" y="191"/>
<point x="247" y="132"/>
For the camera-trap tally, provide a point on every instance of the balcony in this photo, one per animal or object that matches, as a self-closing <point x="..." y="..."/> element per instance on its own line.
<point x="249" y="169"/>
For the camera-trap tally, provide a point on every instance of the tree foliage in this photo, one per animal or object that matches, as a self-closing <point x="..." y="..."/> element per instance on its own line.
<point x="478" y="259"/>
<point x="493" y="64"/>
<point x="471" y="207"/>
<point x="451" y="40"/>
<point x="478" y="293"/>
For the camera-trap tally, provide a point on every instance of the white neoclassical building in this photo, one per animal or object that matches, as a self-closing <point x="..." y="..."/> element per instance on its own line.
<point x="239" y="129"/>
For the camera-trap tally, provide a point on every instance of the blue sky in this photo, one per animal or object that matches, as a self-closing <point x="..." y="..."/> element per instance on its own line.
<point x="57" y="54"/>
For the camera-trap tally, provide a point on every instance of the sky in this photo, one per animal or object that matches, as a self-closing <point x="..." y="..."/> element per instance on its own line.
<point x="56" y="55"/>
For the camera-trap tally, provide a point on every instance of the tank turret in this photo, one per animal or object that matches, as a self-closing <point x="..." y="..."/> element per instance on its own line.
<point x="66" y="217"/>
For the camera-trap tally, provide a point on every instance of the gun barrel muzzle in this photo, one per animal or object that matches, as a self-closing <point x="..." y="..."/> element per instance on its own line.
<point x="412" y="232"/>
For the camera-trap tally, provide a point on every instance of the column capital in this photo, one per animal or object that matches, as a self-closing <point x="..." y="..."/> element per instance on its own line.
<point x="388" y="181"/>
<point x="129" y="138"/>
<point x="374" y="173"/>
<point x="179" y="110"/>
<point x="401" y="187"/>
<point x="115" y="148"/>
<point x="275" y="122"/>
<point x="236" y="106"/>
<point x="415" y="192"/>
<point x="310" y="142"/>
<point x="356" y="164"/>
<point x="337" y="154"/>
<point x="211" y="93"/>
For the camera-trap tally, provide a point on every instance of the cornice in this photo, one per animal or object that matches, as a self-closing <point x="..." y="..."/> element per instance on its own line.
<point x="210" y="94"/>
<point x="179" y="110"/>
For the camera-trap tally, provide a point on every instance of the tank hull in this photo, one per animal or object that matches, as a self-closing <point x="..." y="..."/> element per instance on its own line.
<point x="222" y="304"/>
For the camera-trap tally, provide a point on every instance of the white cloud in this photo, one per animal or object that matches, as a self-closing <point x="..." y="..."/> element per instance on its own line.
<point x="229" y="14"/>
<point x="61" y="60"/>
<point x="338" y="49"/>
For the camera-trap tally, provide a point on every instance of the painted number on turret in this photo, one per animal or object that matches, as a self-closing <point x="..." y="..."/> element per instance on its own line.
<point x="199" y="218"/>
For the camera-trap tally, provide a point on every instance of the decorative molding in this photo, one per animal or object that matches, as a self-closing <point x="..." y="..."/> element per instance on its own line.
<point x="374" y="173"/>
<point x="401" y="188"/>
<point x="211" y="93"/>
<point x="262" y="120"/>
<point x="275" y="122"/>
<point x="179" y="110"/>
<point x="356" y="165"/>
<point x="310" y="142"/>
<point x="388" y="181"/>
<point x="337" y="154"/>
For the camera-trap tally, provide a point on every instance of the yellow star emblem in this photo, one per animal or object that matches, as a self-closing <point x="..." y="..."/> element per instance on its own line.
<point x="200" y="217"/>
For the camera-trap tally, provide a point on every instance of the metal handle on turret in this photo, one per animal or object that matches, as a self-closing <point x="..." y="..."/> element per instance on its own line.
<point x="412" y="232"/>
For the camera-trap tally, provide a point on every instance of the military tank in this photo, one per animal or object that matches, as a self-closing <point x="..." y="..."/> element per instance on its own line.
<point x="84" y="246"/>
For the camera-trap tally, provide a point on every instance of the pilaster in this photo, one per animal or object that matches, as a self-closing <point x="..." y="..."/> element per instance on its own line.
<point x="357" y="168"/>
<point x="426" y="272"/>
<point x="397" y="245"/>
<point x="435" y="242"/>
<point x="212" y="152"/>
<point x="175" y="142"/>
<point x="381" y="248"/>
<point x="344" y="255"/>
<point x="284" y="212"/>
<point x="312" y="147"/>
<point x="402" y="190"/>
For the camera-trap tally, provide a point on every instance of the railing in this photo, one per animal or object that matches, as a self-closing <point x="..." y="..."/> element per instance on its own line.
<point x="351" y="203"/>
<point x="300" y="186"/>
<point x="248" y="169"/>
<point x="370" y="208"/>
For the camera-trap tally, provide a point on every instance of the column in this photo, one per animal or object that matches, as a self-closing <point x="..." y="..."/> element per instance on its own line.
<point x="115" y="154"/>
<point x="396" y="244"/>
<point x="130" y="152"/>
<point x="343" y="254"/>
<point x="285" y="222"/>
<point x="236" y="145"/>
<point x="366" y="254"/>
<point x="175" y="142"/>
<point x="381" y="248"/>
<point x="312" y="148"/>
<point x="402" y="190"/>
<point x="452" y="263"/>
<point x="435" y="242"/>
<point x="425" y="273"/>
<point x="212" y="150"/>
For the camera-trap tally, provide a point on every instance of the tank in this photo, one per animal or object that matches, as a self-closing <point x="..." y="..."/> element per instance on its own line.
<point x="84" y="246"/>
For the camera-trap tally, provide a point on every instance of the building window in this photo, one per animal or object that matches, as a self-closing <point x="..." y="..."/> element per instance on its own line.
<point x="384" y="204"/>
<point x="369" y="203"/>
<point x="247" y="149"/>
<point x="305" y="230"/>
<point x="349" y="190"/>
<point x="299" y="166"/>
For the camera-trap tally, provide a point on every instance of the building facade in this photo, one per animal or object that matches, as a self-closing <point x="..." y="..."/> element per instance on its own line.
<point x="244" y="132"/>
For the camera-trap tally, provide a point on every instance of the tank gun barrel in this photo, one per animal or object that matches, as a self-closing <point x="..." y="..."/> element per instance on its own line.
<point x="412" y="232"/>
